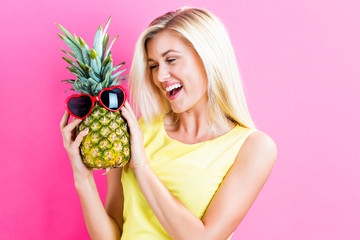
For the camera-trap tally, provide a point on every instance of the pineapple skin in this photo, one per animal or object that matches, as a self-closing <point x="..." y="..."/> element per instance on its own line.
<point x="107" y="145"/>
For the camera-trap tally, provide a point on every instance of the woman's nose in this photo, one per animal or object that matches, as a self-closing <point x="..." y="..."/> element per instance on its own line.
<point x="163" y="74"/>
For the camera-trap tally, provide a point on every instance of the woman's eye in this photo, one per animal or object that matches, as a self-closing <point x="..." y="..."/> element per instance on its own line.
<point x="152" y="67"/>
<point x="169" y="60"/>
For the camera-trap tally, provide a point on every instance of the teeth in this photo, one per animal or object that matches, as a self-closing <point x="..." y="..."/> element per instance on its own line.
<point x="168" y="89"/>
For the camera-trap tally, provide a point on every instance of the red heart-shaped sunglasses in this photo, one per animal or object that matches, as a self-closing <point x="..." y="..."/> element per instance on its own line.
<point x="81" y="105"/>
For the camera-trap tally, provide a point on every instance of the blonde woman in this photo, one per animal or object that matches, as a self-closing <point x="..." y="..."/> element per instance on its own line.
<point x="197" y="160"/>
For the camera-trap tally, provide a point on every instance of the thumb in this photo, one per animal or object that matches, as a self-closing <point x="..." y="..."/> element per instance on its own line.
<point x="80" y="137"/>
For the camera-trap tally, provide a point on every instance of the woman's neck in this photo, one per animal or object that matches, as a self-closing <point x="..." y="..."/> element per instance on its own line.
<point x="194" y="126"/>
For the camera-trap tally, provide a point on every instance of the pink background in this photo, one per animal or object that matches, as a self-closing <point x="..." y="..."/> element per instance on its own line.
<point x="300" y="63"/>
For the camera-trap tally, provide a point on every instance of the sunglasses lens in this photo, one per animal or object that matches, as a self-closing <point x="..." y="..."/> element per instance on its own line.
<point x="80" y="106"/>
<point x="113" y="99"/>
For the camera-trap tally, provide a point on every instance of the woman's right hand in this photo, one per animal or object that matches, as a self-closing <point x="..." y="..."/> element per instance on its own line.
<point x="71" y="145"/>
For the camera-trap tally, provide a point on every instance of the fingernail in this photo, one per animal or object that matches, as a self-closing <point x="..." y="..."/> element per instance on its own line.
<point x="86" y="130"/>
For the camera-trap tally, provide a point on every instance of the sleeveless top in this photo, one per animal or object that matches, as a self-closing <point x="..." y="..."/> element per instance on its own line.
<point x="191" y="172"/>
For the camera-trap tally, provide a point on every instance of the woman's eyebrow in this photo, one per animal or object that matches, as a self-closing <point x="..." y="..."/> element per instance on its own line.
<point x="168" y="51"/>
<point x="163" y="54"/>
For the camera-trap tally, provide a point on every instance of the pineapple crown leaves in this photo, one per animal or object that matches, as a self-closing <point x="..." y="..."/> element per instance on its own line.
<point x="93" y="68"/>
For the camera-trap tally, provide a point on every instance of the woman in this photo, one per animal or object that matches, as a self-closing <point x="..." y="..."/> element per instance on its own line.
<point x="197" y="160"/>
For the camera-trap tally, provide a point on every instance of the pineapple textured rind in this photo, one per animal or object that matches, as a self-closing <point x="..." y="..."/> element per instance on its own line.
<point x="106" y="145"/>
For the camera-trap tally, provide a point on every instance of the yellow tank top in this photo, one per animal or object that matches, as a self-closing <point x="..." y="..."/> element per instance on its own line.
<point x="191" y="172"/>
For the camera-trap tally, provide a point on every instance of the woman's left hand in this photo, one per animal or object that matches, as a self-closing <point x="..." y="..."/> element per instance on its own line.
<point x="138" y="156"/>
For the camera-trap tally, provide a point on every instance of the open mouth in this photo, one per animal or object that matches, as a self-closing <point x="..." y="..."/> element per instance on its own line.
<point x="173" y="90"/>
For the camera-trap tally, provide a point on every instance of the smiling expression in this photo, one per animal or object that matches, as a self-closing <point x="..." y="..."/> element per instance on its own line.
<point x="177" y="70"/>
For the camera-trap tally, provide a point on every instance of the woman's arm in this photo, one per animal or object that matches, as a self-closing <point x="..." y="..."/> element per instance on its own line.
<point x="231" y="202"/>
<point x="99" y="224"/>
<point x="114" y="204"/>
<point x="241" y="186"/>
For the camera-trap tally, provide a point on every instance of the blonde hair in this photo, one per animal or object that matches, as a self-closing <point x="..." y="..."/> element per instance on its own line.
<point x="210" y="39"/>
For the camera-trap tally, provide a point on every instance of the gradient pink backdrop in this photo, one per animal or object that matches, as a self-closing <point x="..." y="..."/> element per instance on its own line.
<point x="300" y="63"/>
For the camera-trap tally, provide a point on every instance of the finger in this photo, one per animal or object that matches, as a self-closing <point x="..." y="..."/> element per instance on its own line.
<point x="125" y="113"/>
<point x="68" y="130"/>
<point x="129" y="119"/>
<point x="128" y="107"/>
<point x="64" y="119"/>
<point x="72" y="124"/>
<point x="80" y="137"/>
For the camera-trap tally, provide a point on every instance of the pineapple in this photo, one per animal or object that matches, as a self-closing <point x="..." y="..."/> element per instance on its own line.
<point x="107" y="145"/>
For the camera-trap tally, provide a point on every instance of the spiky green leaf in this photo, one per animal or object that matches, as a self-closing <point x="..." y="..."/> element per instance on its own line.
<point x="104" y="45"/>
<point x="92" y="82"/>
<point x="70" y="89"/>
<point x="107" y="25"/>
<point x="81" y="87"/>
<point x="68" y="60"/>
<point x="114" y="84"/>
<point x="85" y="85"/>
<point x="107" y="68"/>
<point x="93" y="54"/>
<point x="68" y="53"/>
<point x="96" y="88"/>
<point x="118" y="66"/>
<point x="120" y="79"/>
<point x="75" y="49"/>
<point x="94" y="76"/>
<point x="98" y="41"/>
<point x="86" y="91"/>
<point x="107" y="78"/>
<point x="71" y="81"/>
<point x="77" y="86"/>
<point x="95" y="61"/>
<point x="118" y="73"/>
<point x="106" y="65"/>
<point x="85" y="50"/>
<point x="83" y="79"/>
<point x="79" y="71"/>
<point x="69" y="36"/>
<point x="108" y="50"/>
<point x="107" y="55"/>
<point x="106" y="61"/>
<point x="73" y="71"/>
<point x="84" y="67"/>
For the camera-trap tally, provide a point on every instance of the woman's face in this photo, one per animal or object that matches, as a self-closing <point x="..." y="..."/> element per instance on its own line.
<point x="177" y="71"/>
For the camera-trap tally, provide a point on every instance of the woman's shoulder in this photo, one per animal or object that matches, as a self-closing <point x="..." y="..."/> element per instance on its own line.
<point x="151" y="126"/>
<point x="260" y="145"/>
<point x="259" y="138"/>
<point x="144" y="123"/>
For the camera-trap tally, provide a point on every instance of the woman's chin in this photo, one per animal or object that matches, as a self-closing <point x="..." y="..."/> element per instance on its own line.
<point x="177" y="109"/>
